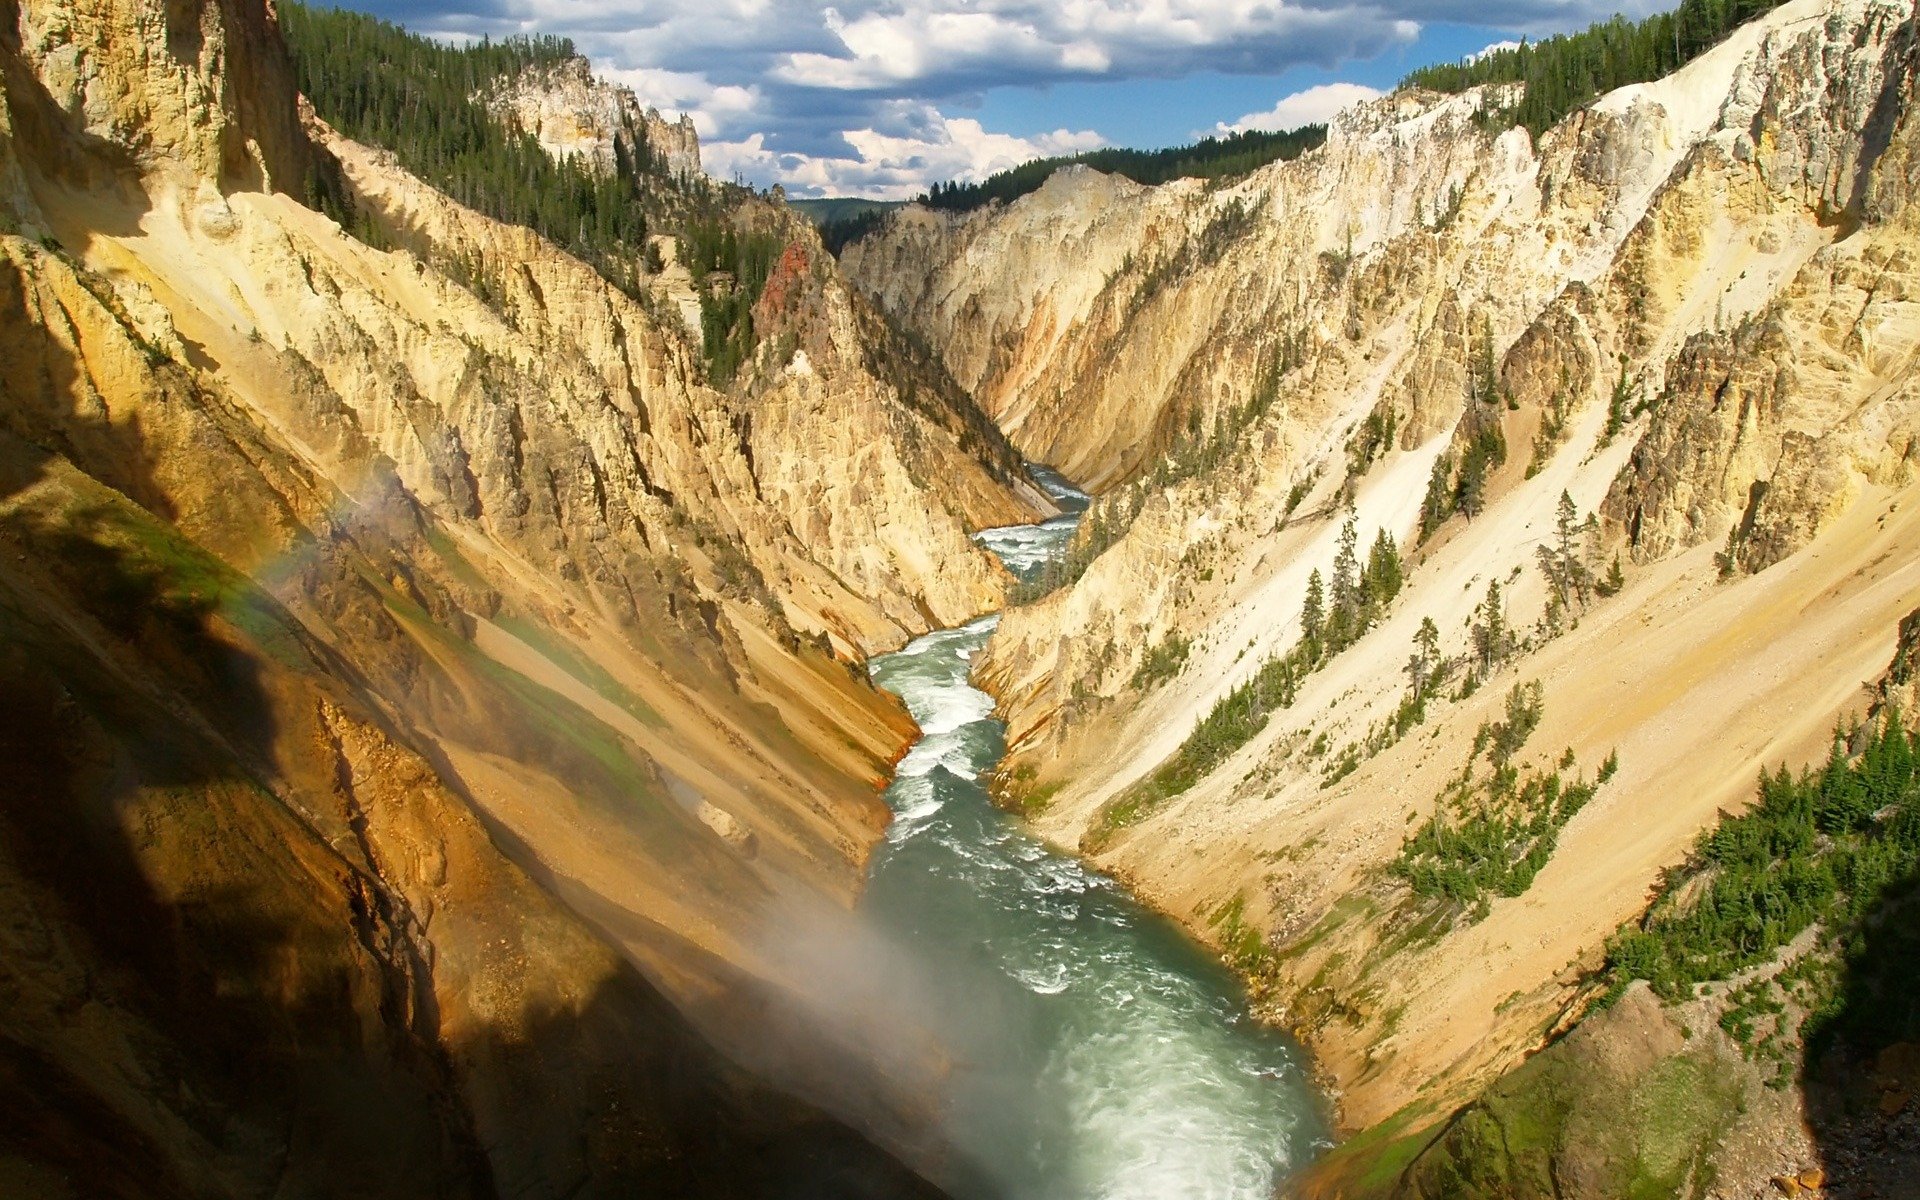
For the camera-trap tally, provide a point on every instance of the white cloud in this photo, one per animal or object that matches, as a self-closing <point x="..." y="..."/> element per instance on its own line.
<point x="1495" y="48"/>
<point x="1313" y="106"/>
<point x="818" y="85"/>
<point x="715" y="108"/>
<point x="947" y="47"/>
<point x="886" y="166"/>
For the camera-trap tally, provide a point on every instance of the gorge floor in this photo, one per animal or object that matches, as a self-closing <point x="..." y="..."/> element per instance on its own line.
<point x="1095" y="1050"/>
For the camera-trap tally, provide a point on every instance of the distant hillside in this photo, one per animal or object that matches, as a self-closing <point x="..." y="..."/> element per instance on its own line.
<point x="1561" y="73"/>
<point x="1208" y="158"/>
<point x="842" y="219"/>
<point x="829" y="210"/>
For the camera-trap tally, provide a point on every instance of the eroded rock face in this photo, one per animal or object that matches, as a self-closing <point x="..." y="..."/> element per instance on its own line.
<point x="1899" y="688"/>
<point x="570" y="113"/>
<point x="1691" y="308"/>
<point x="426" y="686"/>
<point x="650" y="445"/>
<point x="1000" y="299"/>
<point x="204" y="90"/>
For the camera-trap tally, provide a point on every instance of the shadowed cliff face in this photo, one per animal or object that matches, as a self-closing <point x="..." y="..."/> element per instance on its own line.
<point x="219" y="987"/>
<point x="256" y="940"/>
<point x="424" y="707"/>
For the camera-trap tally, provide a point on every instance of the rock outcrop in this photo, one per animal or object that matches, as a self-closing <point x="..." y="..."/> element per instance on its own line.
<point x="1689" y="308"/>
<point x="573" y="114"/>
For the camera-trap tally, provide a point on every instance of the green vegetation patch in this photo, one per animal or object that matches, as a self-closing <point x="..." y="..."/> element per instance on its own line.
<point x="1573" y="1111"/>
<point x="601" y="765"/>
<point x="458" y="565"/>
<point x="424" y="100"/>
<point x="1373" y="1161"/>
<point x="1162" y="662"/>
<point x="1332" y="618"/>
<point x="1242" y="946"/>
<point x="826" y="210"/>
<point x="141" y="574"/>
<point x="1492" y="832"/>
<point x="730" y="269"/>
<point x="565" y="655"/>
<point x="1836" y="847"/>
<point x="1016" y="790"/>
<point x="1795" y="916"/>
<point x="845" y="219"/>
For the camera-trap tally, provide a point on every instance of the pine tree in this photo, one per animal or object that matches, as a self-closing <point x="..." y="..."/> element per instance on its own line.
<point x="1614" y="580"/>
<point x="1617" y="404"/>
<point x="1566" y="532"/>
<point x="1490" y="634"/>
<point x="1486" y="376"/>
<point x="1437" y="506"/>
<point x="427" y="102"/>
<point x="1346" y="575"/>
<point x="1588" y="554"/>
<point x="1424" y="663"/>
<point x="1384" y="573"/>
<point x="1313" y="613"/>
<point x="1563" y="73"/>
<point x="1563" y="560"/>
<point x="1471" y="495"/>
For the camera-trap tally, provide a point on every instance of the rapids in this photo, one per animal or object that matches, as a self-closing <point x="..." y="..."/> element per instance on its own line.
<point x="1097" y="1051"/>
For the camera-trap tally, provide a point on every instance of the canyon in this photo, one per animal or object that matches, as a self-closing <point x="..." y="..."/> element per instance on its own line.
<point x="1688" y="308"/>
<point x="442" y="673"/>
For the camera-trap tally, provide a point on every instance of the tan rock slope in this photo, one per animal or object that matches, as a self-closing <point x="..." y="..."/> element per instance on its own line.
<point x="415" y="675"/>
<point x="1699" y="300"/>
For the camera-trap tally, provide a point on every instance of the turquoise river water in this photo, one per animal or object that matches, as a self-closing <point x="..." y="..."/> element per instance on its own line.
<point x="1099" y="1053"/>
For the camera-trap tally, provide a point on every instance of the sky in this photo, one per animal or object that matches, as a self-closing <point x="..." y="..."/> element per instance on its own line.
<point x="880" y="98"/>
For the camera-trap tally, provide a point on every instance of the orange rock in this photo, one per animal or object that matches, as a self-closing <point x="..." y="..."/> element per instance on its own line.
<point x="1813" y="1179"/>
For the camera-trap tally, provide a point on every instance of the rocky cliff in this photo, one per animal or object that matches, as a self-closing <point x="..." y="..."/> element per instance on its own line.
<point x="571" y="113"/>
<point x="1689" y="309"/>
<point x="422" y="687"/>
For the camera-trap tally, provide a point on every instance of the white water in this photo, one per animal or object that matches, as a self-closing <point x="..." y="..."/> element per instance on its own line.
<point x="1098" y="1052"/>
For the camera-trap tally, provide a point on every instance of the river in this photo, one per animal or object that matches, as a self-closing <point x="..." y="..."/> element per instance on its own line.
<point x="1098" y="1052"/>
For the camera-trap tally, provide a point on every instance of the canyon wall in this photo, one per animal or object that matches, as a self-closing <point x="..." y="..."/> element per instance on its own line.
<point x="1689" y="308"/>
<point x="432" y="706"/>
